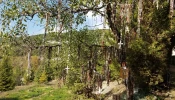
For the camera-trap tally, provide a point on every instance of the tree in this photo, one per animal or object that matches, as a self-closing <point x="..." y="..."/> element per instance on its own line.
<point x="148" y="55"/>
<point x="149" y="26"/>
<point x="6" y="75"/>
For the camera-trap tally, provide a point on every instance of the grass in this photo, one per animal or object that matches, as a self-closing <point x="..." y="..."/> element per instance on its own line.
<point x="39" y="92"/>
<point x="57" y="94"/>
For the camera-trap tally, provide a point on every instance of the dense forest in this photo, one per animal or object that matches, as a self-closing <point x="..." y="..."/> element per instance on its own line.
<point x="135" y="52"/>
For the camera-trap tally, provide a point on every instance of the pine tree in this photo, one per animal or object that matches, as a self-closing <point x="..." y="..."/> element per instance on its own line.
<point x="147" y="55"/>
<point x="6" y="75"/>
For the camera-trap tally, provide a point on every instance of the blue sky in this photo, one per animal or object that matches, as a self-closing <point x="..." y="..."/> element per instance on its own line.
<point x="94" y="22"/>
<point x="35" y="27"/>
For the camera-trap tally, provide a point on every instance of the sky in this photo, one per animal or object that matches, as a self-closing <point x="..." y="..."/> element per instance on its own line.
<point x="35" y="27"/>
<point x="93" y="22"/>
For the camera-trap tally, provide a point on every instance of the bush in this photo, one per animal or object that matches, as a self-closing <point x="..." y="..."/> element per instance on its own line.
<point x="43" y="77"/>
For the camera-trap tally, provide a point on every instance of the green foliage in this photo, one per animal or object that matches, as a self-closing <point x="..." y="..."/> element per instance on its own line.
<point x="43" y="73"/>
<point x="148" y="66"/>
<point x="43" y="77"/>
<point x="37" y="74"/>
<point x="6" y="75"/>
<point x="19" y="68"/>
<point x="73" y="77"/>
<point x="49" y="73"/>
<point x="55" y="67"/>
<point x="78" y="88"/>
<point x="25" y="78"/>
<point x="160" y="18"/>
<point x="18" y="75"/>
<point x="114" y="71"/>
<point x="147" y="54"/>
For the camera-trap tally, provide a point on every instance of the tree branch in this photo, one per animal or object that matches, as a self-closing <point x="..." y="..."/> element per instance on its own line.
<point x="112" y="24"/>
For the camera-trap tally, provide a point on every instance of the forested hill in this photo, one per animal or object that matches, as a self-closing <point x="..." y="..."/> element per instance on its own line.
<point x="103" y="37"/>
<point x="54" y="35"/>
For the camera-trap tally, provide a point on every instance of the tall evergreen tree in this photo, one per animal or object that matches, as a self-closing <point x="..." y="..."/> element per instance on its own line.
<point x="147" y="55"/>
<point x="6" y="75"/>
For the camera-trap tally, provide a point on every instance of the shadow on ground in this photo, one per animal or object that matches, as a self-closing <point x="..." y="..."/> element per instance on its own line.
<point x="9" y="99"/>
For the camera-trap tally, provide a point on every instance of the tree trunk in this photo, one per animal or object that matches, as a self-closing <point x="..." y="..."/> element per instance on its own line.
<point x="171" y="11"/>
<point x="130" y="86"/>
<point x="29" y="63"/>
<point x="46" y="27"/>
<point x="59" y="24"/>
<point x="140" y="8"/>
<point x="111" y="20"/>
<point x="49" y="55"/>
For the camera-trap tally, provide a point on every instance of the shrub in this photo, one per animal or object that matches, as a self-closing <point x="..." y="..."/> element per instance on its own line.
<point x="43" y="77"/>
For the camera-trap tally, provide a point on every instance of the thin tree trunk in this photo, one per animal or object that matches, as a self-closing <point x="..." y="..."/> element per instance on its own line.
<point x="171" y="11"/>
<point x="59" y="24"/>
<point x="107" y="67"/>
<point x="46" y="27"/>
<point x="130" y="86"/>
<point x="140" y="8"/>
<point x="29" y="63"/>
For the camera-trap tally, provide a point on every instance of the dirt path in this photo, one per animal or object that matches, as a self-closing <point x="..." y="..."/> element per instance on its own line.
<point x="114" y="87"/>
